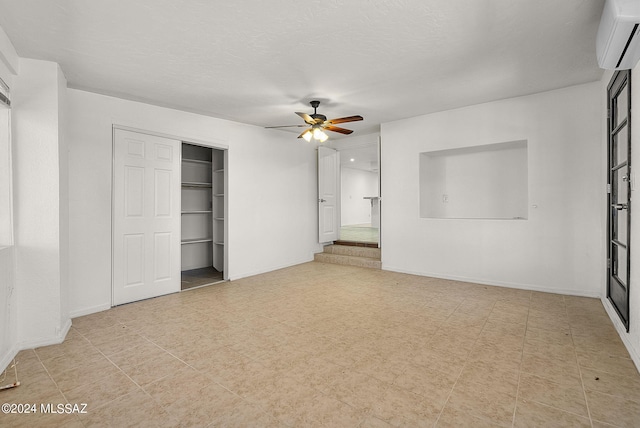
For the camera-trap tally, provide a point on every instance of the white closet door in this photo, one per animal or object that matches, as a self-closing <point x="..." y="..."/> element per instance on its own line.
<point x="146" y="216"/>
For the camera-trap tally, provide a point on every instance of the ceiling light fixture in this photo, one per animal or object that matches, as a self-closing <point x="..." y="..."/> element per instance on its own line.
<point x="316" y="133"/>
<point x="319" y="134"/>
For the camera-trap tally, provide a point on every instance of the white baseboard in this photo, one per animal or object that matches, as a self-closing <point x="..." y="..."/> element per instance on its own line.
<point x="622" y="331"/>
<point x="88" y="311"/>
<point x="271" y="268"/>
<point x="46" y="341"/>
<point x="8" y="357"/>
<point x="529" y="287"/>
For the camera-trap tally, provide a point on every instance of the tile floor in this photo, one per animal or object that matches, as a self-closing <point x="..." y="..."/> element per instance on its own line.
<point x="198" y="277"/>
<point x="359" y="233"/>
<point x="330" y="345"/>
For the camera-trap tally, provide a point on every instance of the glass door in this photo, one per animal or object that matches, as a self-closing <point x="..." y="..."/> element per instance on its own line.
<point x="619" y="192"/>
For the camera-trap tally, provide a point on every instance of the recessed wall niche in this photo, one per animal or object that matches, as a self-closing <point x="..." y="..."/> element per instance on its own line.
<point x="481" y="182"/>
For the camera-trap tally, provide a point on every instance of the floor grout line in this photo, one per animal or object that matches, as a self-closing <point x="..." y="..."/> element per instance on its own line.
<point x="524" y="339"/>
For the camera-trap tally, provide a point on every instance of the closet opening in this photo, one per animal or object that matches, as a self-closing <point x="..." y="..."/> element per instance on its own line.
<point x="203" y="212"/>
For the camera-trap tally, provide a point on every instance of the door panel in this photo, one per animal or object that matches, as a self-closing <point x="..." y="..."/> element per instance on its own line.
<point x="146" y="216"/>
<point x="618" y="200"/>
<point x="328" y="180"/>
<point x="162" y="197"/>
<point x="134" y="259"/>
<point x="134" y="190"/>
<point x="162" y="253"/>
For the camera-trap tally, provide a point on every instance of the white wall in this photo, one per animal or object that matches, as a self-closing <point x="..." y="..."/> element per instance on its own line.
<point x="558" y="248"/>
<point x="39" y="203"/>
<point x="632" y="338"/>
<point x="354" y="185"/>
<point x="489" y="182"/>
<point x="272" y="216"/>
<point x="8" y="313"/>
<point x="8" y="298"/>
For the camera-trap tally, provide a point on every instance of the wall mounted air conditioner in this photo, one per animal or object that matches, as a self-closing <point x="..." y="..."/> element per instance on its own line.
<point x="618" y="42"/>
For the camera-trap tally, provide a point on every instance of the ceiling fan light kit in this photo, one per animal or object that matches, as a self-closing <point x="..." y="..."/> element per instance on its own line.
<point x="319" y="124"/>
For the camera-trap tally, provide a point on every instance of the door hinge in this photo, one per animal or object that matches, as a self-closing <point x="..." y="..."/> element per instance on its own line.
<point x="608" y="188"/>
<point x="608" y="263"/>
<point x="608" y="113"/>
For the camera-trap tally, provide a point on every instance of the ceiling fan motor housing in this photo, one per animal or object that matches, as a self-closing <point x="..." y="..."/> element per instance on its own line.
<point x="317" y="117"/>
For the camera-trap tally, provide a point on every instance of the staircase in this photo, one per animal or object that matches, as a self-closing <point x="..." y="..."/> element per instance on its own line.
<point x="352" y="256"/>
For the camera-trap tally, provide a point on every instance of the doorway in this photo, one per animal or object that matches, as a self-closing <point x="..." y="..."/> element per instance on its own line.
<point x="359" y="194"/>
<point x="619" y="192"/>
<point x="202" y="216"/>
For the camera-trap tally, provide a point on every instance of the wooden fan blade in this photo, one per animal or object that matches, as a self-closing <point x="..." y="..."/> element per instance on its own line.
<point x="338" y="129"/>
<point x="306" y="118"/>
<point x="285" y="126"/>
<point x="346" y="119"/>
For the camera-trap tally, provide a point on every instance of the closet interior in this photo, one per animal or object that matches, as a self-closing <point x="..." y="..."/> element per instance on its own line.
<point x="202" y="216"/>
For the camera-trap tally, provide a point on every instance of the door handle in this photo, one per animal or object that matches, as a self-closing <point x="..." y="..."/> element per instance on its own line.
<point x="621" y="206"/>
<point x="322" y="200"/>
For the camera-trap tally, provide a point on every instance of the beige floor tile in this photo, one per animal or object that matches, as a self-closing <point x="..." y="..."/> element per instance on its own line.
<point x="440" y="360"/>
<point x="61" y="363"/>
<point x="328" y="411"/>
<point x="101" y="392"/>
<point x="545" y="321"/>
<point x="400" y="407"/>
<point x="478" y="400"/>
<point x="615" y="410"/>
<point x="250" y="378"/>
<point x="626" y="386"/>
<point x="142" y="353"/>
<point x="186" y="382"/>
<point x="566" y="352"/>
<point x="318" y="373"/>
<point x="358" y="390"/>
<point x="603" y="360"/>
<point x="547" y="336"/>
<point x="531" y="414"/>
<point x="85" y="374"/>
<point x="373" y="422"/>
<point x="203" y="408"/>
<point x="598" y="424"/>
<point x="492" y="375"/>
<point x="533" y="388"/>
<point x="131" y="410"/>
<point x="291" y="405"/>
<point x="384" y="369"/>
<point x="161" y="366"/>
<point x="563" y="372"/>
<point x="433" y="385"/>
<point x="454" y="418"/>
<point x="509" y="359"/>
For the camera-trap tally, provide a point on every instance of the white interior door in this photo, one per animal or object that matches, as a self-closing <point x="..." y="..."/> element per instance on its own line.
<point x="146" y="216"/>
<point x="328" y="197"/>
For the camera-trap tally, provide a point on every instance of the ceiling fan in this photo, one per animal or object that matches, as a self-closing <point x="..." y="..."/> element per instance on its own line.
<point x="318" y="124"/>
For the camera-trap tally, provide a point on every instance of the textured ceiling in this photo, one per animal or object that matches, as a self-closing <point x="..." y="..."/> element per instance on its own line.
<point x="258" y="61"/>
